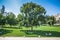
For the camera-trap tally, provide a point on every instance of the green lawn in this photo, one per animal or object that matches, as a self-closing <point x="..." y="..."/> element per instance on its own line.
<point x="42" y="31"/>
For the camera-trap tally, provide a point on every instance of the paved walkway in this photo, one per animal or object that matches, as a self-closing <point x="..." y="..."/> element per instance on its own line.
<point x="28" y="38"/>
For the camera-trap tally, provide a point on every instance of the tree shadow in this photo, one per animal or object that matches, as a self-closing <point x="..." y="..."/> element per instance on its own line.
<point x="12" y="27"/>
<point x="4" y="31"/>
<point x="42" y="33"/>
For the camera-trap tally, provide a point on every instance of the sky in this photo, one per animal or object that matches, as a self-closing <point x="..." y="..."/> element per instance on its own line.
<point x="52" y="6"/>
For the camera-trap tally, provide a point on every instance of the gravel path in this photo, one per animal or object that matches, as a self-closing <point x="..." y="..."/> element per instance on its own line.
<point x="28" y="38"/>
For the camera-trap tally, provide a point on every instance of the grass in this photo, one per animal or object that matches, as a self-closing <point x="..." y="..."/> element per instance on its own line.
<point x="42" y="31"/>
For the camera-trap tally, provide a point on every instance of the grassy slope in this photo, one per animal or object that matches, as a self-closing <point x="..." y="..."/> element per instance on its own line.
<point x="18" y="32"/>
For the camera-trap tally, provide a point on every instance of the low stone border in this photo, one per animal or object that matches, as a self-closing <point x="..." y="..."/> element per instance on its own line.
<point x="29" y="38"/>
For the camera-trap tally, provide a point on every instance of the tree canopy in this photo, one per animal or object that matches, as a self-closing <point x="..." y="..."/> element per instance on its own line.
<point x="32" y="12"/>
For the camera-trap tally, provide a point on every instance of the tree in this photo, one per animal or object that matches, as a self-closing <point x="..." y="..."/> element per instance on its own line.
<point x="32" y="12"/>
<point x="3" y="9"/>
<point x="20" y="19"/>
<point x="10" y="19"/>
<point x="2" y="20"/>
<point x="51" y="20"/>
<point x="2" y="17"/>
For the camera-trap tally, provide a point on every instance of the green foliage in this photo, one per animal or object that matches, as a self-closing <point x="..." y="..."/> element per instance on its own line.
<point x="3" y="9"/>
<point x="20" y="19"/>
<point x="32" y="13"/>
<point x="51" y="20"/>
<point x="10" y="19"/>
<point x="2" y="19"/>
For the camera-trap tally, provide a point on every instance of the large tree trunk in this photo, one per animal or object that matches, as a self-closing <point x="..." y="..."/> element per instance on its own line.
<point x="2" y="26"/>
<point x="31" y="28"/>
<point x="31" y="25"/>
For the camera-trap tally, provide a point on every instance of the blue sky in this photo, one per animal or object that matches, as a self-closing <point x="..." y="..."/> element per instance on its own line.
<point x="52" y="6"/>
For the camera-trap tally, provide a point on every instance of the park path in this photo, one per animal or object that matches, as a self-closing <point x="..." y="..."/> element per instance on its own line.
<point x="29" y="38"/>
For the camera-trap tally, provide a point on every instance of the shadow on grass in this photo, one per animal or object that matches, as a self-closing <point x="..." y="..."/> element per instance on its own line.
<point x="4" y="31"/>
<point x="11" y="27"/>
<point x="42" y="33"/>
